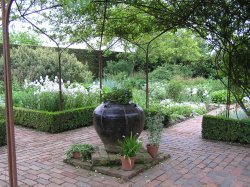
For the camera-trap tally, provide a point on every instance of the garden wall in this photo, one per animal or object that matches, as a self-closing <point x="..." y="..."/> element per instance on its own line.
<point x="53" y="122"/>
<point x="225" y="129"/>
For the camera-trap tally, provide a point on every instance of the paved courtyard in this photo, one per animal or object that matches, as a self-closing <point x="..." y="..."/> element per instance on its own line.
<point x="194" y="162"/>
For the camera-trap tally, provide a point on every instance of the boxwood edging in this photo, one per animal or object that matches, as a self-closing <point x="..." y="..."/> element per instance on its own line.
<point x="53" y="122"/>
<point x="225" y="129"/>
<point x="2" y="132"/>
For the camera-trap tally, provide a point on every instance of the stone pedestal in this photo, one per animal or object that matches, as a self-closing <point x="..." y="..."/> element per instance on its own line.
<point x="110" y="163"/>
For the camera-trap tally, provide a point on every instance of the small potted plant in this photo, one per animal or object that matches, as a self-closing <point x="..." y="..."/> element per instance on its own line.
<point x="154" y="130"/>
<point x="80" y="151"/>
<point x="129" y="148"/>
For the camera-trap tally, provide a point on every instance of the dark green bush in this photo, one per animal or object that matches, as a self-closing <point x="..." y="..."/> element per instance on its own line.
<point x="2" y="133"/>
<point x="122" y="96"/>
<point x="31" y="63"/>
<point x="175" y="89"/>
<point x="169" y="71"/>
<point x="53" y="122"/>
<point x="225" y="129"/>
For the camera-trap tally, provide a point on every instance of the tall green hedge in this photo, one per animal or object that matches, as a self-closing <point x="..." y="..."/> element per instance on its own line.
<point x="2" y="133"/>
<point x="53" y="122"/>
<point x="225" y="129"/>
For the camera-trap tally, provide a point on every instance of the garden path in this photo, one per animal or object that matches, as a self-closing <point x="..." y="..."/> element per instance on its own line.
<point x="194" y="162"/>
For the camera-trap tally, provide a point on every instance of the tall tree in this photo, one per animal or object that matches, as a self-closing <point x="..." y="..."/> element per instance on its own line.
<point x="23" y="38"/>
<point x="226" y="25"/>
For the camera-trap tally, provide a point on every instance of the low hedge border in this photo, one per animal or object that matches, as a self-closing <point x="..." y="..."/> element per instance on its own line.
<point x="2" y="133"/>
<point x="226" y="129"/>
<point x="53" y="122"/>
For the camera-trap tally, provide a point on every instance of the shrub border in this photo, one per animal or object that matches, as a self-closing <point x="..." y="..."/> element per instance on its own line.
<point x="226" y="129"/>
<point x="53" y="122"/>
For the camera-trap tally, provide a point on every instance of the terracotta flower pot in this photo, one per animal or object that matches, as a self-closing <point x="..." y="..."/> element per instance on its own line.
<point x="76" y="155"/>
<point x="152" y="150"/>
<point x="128" y="163"/>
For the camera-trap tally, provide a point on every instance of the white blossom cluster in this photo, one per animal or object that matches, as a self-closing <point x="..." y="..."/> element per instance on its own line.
<point x="168" y="103"/>
<point x="157" y="89"/>
<point x="194" y="91"/>
<point x="47" y="85"/>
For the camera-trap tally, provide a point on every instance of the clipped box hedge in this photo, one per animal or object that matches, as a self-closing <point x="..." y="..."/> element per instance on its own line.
<point x="2" y="133"/>
<point x="226" y="129"/>
<point x="53" y="122"/>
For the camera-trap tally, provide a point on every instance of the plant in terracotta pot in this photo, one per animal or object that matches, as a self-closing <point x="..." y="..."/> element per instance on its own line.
<point x="154" y="126"/>
<point x="117" y="117"/>
<point x="80" y="151"/>
<point x="130" y="146"/>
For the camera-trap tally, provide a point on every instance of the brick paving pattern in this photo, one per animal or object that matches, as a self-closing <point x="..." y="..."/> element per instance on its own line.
<point x="194" y="162"/>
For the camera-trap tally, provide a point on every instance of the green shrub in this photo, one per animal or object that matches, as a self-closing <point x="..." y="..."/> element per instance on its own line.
<point x="175" y="89"/>
<point x="2" y="133"/>
<point x="31" y="63"/>
<point x="225" y="129"/>
<point x="53" y="122"/>
<point x="220" y="97"/>
<point x="168" y="71"/>
<point x="204" y="69"/>
<point x="116" y="67"/>
<point x="122" y="96"/>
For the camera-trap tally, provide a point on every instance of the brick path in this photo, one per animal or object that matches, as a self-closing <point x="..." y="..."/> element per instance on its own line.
<point x="195" y="162"/>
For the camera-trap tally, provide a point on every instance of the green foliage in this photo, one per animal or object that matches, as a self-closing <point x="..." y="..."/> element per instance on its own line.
<point x="179" y="47"/>
<point x="2" y="132"/>
<point x="220" y="97"/>
<point x="122" y="96"/>
<point x="157" y="90"/>
<point x="85" y="151"/>
<point x="30" y="64"/>
<point x="203" y="69"/>
<point x="154" y="128"/>
<point x="22" y="38"/>
<point x="53" y="122"/>
<point x="48" y="101"/>
<point x="225" y="129"/>
<point x="130" y="146"/>
<point x="80" y="100"/>
<point x="150" y="113"/>
<point x="169" y="71"/>
<point x="175" y="89"/>
<point x="116" y="67"/>
<point x="136" y="81"/>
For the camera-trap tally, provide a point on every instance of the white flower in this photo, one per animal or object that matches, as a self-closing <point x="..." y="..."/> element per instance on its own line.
<point x="194" y="91"/>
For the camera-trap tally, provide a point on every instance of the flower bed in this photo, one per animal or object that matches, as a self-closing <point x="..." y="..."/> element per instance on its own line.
<point x="180" y="111"/>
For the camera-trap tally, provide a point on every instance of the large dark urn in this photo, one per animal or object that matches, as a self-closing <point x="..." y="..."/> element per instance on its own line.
<point x="113" y="121"/>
